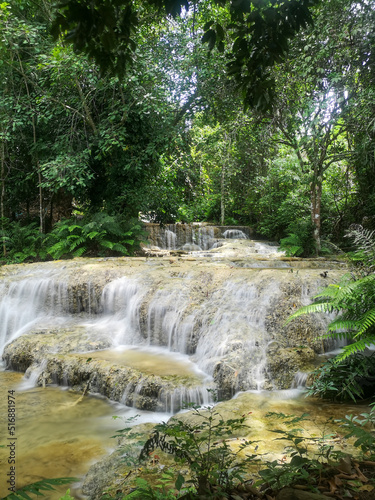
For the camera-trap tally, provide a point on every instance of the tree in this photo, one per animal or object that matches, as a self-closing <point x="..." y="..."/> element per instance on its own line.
<point x="316" y="94"/>
<point x="258" y="34"/>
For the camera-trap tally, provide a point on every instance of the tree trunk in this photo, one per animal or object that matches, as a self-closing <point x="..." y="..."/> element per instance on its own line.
<point x="3" y="194"/>
<point x="316" y="199"/>
<point x="33" y="123"/>
<point x="222" y="202"/>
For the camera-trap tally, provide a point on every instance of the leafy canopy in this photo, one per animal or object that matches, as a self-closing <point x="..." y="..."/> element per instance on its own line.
<point x="256" y="35"/>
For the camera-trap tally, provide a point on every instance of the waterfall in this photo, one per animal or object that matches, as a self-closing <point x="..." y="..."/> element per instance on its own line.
<point x="205" y="237"/>
<point x="192" y="237"/>
<point x="170" y="239"/>
<point x="165" y="320"/>
<point x="32" y="375"/>
<point x="233" y="327"/>
<point x="28" y="302"/>
<point x="223" y="318"/>
<point x="120" y="304"/>
<point x="234" y="234"/>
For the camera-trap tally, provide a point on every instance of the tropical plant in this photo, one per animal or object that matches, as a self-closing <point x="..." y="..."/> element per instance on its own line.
<point x="167" y="488"/>
<point x="201" y="445"/>
<point x="301" y="468"/>
<point x="21" y="243"/>
<point x="350" y="378"/>
<point x="39" y="486"/>
<point x="99" y="234"/>
<point x="362" y="429"/>
<point x="292" y="245"/>
<point x="352" y="299"/>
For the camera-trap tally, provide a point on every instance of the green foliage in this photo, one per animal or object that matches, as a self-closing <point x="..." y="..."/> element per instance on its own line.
<point x="167" y="488"/>
<point x="301" y="242"/>
<point x="202" y="446"/>
<point x="308" y="456"/>
<point x="364" y="255"/>
<point x="362" y="429"/>
<point x="99" y="234"/>
<point x="352" y="378"/>
<point x="353" y="299"/>
<point x="22" y="243"/>
<point x="292" y="245"/>
<point x="38" y="487"/>
<point x="260" y="33"/>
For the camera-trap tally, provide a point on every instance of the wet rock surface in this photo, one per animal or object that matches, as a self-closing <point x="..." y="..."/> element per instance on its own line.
<point x="229" y="318"/>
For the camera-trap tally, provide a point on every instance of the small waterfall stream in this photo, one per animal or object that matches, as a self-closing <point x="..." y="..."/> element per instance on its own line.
<point x="153" y="334"/>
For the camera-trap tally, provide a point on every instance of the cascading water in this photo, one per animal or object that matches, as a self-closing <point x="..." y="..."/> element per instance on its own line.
<point x="235" y="234"/>
<point x="157" y="333"/>
<point x="120" y="305"/>
<point x="27" y="302"/>
<point x="222" y="320"/>
<point x="205" y="237"/>
<point x="170" y="239"/>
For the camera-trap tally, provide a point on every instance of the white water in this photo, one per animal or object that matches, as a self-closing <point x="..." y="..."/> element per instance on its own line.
<point x="204" y="237"/>
<point x="170" y="239"/>
<point x="32" y="375"/>
<point x="235" y="234"/>
<point x="30" y="302"/>
<point x="233" y="326"/>
<point x="222" y="329"/>
<point x="120" y="302"/>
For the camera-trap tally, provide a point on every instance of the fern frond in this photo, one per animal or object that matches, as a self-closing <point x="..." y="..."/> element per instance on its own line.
<point x="316" y="307"/>
<point x="36" y="488"/>
<point x="75" y="242"/>
<point x="79" y="252"/>
<point x="93" y="234"/>
<point x="367" y="322"/>
<point x="118" y="247"/>
<point x="343" y="324"/>
<point x="73" y="227"/>
<point x="330" y="291"/>
<point x="106" y="244"/>
<point x="358" y="346"/>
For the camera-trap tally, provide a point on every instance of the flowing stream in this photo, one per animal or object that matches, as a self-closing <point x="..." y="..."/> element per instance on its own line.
<point x="145" y="335"/>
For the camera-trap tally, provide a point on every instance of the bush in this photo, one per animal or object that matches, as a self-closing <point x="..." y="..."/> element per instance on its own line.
<point x="22" y="243"/>
<point x="352" y="378"/>
<point x="214" y="468"/>
<point x="99" y="234"/>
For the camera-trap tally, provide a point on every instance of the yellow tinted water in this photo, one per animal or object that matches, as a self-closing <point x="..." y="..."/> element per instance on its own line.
<point x="147" y="361"/>
<point x="56" y="437"/>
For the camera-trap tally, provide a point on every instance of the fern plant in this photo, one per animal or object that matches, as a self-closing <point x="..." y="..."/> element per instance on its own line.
<point x="21" y="243"/>
<point x="353" y="299"/>
<point x="364" y="256"/>
<point x="351" y="378"/>
<point x="292" y="245"/>
<point x="38" y="487"/>
<point x="99" y="234"/>
<point x="201" y="446"/>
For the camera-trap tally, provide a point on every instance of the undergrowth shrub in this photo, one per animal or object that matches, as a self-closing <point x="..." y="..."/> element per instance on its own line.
<point x="352" y="378"/>
<point x="306" y="455"/>
<point x="99" y="234"/>
<point x="200" y="445"/>
<point x="353" y="301"/>
<point x="214" y="470"/>
<point x="21" y="243"/>
<point x="362" y="428"/>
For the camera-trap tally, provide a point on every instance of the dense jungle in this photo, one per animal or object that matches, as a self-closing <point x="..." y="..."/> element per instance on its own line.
<point x="120" y="118"/>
